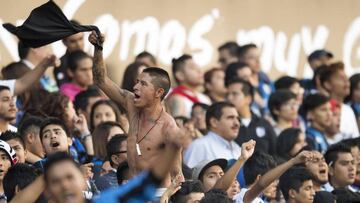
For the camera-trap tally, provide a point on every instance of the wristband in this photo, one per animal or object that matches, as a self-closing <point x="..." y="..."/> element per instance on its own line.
<point x="83" y="137"/>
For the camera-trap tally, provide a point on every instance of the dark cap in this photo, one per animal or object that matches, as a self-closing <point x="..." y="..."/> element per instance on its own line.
<point x="198" y="170"/>
<point x="319" y="53"/>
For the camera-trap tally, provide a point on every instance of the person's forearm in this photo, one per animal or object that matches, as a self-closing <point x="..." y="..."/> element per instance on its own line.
<point x="30" y="193"/>
<point x="99" y="69"/>
<point x="164" y="199"/>
<point x="25" y="82"/>
<point x="274" y="174"/>
<point x="111" y="89"/>
<point x="88" y="144"/>
<point x="225" y="182"/>
<point x="266" y="179"/>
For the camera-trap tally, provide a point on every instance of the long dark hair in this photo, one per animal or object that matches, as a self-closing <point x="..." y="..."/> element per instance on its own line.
<point x="130" y="75"/>
<point x="286" y="141"/>
<point x="109" y="103"/>
<point x="100" y="138"/>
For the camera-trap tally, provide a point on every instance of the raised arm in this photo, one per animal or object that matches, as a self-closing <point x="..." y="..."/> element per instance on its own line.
<point x="111" y="89"/>
<point x="247" y="150"/>
<point x="274" y="174"/>
<point x="25" y="82"/>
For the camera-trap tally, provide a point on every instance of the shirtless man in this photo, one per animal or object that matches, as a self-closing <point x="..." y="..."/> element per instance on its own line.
<point x="150" y="126"/>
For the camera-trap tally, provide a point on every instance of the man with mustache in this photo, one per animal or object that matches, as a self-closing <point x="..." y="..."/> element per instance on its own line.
<point x="241" y="94"/>
<point x="222" y="120"/>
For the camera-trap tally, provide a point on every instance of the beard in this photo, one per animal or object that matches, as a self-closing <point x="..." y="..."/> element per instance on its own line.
<point x="8" y="118"/>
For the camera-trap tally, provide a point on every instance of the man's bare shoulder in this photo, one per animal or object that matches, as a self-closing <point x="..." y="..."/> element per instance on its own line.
<point x="170" y="124"/>
<point x="174" y="134"/>
<point x="169" y="119"/>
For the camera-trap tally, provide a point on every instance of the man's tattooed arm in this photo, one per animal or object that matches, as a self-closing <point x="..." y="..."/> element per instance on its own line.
<point x="99" y="70"/>
<point x="111" y="89"/>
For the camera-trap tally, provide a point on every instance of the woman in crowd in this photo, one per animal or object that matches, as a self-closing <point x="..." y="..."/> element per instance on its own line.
<point x="289" y="143"/>
<point x="107" y="110"/>
<point x="102" y="134"/>
<point x="100" y="137"/>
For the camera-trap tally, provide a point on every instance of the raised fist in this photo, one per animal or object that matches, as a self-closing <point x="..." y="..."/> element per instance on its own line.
<point x="94" y="39"/>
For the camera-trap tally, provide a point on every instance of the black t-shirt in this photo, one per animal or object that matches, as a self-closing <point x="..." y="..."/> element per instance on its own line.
<point x="261" y="131"/>
<point x="346" y="196"/>
<point x="46" y="24"/>
<point x="324" y="196"/>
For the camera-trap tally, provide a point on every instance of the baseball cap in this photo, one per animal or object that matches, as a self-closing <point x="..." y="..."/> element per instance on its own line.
<point x="198" y="170"/>
<point x="9" y="151"/>
<point x="319" y="53"/>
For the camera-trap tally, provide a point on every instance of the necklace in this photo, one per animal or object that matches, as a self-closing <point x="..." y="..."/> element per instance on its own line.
<point x="137" y="135"/>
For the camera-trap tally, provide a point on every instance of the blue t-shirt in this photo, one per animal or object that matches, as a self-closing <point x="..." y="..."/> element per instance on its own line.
<point x="316" y="139"/>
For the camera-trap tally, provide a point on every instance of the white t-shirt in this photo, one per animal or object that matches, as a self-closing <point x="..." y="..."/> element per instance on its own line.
<point x="12" y="128"/>
<point x="239" y="198"/>
<point x="337" y="138"/>
<point x="348" y="124"/>
<point x="188" y="103"/>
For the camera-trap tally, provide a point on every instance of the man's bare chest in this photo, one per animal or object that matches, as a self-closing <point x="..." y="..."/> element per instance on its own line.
<point x="147" y="131"/>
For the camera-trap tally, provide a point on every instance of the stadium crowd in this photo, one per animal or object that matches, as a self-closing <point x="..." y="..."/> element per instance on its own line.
<point x="230" y="134"/>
